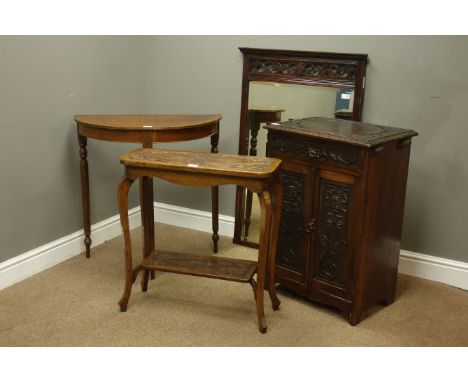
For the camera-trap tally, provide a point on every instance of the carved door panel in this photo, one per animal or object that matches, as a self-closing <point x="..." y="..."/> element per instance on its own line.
<point x="292" y="257"/>
<point x="330" y="234"/>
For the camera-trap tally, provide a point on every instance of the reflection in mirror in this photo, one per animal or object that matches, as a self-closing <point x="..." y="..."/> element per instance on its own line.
<point x="280" y="85"/>
<point x="270" y="102"/>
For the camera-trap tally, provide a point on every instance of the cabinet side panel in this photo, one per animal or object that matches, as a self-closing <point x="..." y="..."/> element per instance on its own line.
<point x="386" y="190"/>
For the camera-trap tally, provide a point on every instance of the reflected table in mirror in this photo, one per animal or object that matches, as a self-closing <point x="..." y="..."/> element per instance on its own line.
<point x="297" y="102"/>
<point x="257" y="115"/>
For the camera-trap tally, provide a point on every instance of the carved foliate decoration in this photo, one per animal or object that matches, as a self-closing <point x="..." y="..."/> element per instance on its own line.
<point x="312" y="70"/>
<point x="332" y="239"/>
<point x="309" y="151"/>
<point x="322" y="70"/>
<point x="326" y="154"/>
<point x="330" y="71"/>
<point x="291" y="233"/>
<point x="273" y="67"/>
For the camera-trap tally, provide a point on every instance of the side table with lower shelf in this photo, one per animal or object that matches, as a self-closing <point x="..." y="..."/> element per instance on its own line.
<point x="201" y="170"/>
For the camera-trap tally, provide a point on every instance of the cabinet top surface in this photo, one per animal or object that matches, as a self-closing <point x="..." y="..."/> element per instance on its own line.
<point x="339" y="130"/>
<point x="147" y="121"/>
<point x="201" y="162"/>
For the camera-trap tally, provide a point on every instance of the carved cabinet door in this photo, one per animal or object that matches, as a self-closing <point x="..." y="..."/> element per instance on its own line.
<point x="330" y="234"/>
<point x="292" y="258"/>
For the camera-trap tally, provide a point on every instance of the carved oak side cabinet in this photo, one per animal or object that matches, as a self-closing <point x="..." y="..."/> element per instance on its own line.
<point x="344" y="188"/>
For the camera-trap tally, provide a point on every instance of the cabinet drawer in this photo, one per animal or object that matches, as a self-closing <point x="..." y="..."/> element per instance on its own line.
<point x="313" y="150"/>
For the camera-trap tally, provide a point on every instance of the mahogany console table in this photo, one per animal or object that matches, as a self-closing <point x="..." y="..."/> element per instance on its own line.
<point x="144" y="129"/>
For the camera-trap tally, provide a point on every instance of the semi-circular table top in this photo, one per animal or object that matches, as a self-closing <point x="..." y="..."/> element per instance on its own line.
<point x="147" y="127"/>
<point x="147" y="121"/>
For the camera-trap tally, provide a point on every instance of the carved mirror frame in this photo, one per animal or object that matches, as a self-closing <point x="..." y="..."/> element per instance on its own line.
<point x="339" y="70"/>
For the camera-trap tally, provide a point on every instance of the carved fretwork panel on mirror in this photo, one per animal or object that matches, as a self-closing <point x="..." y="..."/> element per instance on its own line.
<point x="304" y="71"/>
<point x="284" y="85"/>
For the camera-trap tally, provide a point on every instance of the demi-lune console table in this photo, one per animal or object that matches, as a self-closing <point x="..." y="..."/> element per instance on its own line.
<point x="145" y="129"/>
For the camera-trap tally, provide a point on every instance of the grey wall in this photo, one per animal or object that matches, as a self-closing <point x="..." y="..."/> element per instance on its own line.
<point x="44" y="81"/>
<point x="412" y="82"/>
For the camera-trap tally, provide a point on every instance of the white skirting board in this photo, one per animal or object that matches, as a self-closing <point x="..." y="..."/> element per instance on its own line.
<point x="48" y="255"/>
<point x="27" y="264"/>
<point x="434" y="268"/>
<point x="193" y="219"/>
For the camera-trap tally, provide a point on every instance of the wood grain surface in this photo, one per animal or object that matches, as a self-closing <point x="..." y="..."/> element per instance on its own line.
<point x="201" y="265"/>
<point x="338" y="130"/>
<point x="202" y="163"/>
<point x="147" y="121"/>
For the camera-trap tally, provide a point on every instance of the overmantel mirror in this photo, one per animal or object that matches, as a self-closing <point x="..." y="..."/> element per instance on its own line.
<point x="282" y="85"/>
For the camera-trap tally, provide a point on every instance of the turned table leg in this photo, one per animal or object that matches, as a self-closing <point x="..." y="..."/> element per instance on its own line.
<point x="214" y="199"/>
<point x="82" y="140"/>
<point x="124" y="187"/>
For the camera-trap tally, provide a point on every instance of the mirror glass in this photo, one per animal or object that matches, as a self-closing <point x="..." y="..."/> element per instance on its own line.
<point x="274" y="102"/>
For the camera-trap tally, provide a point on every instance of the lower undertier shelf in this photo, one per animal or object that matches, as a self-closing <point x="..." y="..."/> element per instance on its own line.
<point x="201" y="265"/>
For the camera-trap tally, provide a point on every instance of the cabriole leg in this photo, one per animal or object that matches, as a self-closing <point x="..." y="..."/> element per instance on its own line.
<point x="124" y="187"/>
<point x="276" y="219"/>
<point x="265" y="227"/>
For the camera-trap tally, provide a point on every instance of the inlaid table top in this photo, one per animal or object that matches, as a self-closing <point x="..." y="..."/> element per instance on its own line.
<point x="149" y="122"/>
<point x="200" y="162"/>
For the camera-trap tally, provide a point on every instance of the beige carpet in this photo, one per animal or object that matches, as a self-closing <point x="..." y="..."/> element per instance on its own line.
<point x="75" y="304"/>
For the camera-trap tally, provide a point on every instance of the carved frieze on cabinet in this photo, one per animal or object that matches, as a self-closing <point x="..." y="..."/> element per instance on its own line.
<point x="304" y="150"/>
